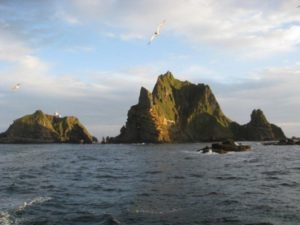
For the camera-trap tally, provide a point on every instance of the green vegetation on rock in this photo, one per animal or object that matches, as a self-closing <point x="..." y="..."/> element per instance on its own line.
<point x="43" y="128"/>
<point x="180" y="111"/>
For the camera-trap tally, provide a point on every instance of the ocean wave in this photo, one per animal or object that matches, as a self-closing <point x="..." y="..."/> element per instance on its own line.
<point x="37" y="200"/>
<point x="8" y="218"/>
<point x="154" y="212"/>
<point x="153" y="172"/>
<point x="5" y="218"/>
<point x="108" y="219"/>
<point x="198" y="152"/>
<point x="275" y="172"/>
<point x="196" y="175"/>
<point x="191" y="152"/>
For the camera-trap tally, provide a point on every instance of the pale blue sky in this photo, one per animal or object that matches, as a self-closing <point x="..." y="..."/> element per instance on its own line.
<point x="88" y="58"/>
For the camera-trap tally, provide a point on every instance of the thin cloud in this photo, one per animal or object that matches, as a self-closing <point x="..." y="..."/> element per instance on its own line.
<point x="67" y="18"/>
<point x="276" y="92"/>
<point x="255" y="29"/>
<point x="11" y="49"/>
<point x="80" y="49"/>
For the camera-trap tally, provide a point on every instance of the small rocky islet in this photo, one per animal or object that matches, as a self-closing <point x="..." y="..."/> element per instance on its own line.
<point x="225" y="147"/>
<point x="287" y="141"/>
<point x="40" y="127"/>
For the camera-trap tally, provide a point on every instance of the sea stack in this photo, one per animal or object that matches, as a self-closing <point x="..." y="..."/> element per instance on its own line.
<point x="259" y="129"/>
<point x="43" y="128"/>
<point x="180" y="111"/>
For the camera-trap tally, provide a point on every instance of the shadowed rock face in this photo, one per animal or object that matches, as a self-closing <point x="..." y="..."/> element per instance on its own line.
<point x="42" y="128"/>
<point x="179" y="111"/>
<point x="259" y="129"/>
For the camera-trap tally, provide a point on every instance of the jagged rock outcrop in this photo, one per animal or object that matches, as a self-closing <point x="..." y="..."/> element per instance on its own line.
<point x="43" y="128"/>
<point x="179" y="111"/>
<point x="259" y="129"/>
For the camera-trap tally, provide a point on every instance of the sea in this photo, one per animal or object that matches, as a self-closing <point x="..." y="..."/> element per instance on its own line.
<point x="148" y="184"/>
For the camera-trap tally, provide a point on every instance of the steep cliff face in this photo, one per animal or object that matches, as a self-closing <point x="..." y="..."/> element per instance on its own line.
<point x="140" y="125"/>
<point x="179" y="111"/>
<point x="175" y="111"/>
<point x="42" y="128"/>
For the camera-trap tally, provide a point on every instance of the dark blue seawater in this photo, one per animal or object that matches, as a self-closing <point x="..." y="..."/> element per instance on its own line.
<point x="148" y="185"/>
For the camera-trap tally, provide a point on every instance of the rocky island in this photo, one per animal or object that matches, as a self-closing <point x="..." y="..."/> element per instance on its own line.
<point x="43" y="128"/>
<point x="180" y="111"/>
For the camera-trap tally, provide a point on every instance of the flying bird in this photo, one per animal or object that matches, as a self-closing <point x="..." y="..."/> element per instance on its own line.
<point x="157" y="32"/>
<point x="16" y="87"/>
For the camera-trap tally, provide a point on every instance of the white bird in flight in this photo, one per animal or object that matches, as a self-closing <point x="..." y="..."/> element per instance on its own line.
<point x="157" y="32"/>
<point x="16" y="87"/>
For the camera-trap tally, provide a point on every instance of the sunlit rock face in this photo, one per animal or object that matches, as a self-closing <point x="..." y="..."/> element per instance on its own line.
<point x="180" y="111"/>
<point x="43" y="128"/>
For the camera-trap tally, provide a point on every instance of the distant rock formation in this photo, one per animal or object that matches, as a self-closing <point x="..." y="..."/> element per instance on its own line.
<point x="179" y="111"/>
<point x="287" y="141"/>
<point x="259" y="129"/>
<point x="43" y="128"/>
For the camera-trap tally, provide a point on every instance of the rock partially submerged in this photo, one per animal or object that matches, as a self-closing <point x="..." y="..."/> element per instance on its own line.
<point x="287" y="141"/>
<point x="225" y="146"/>
<point x="43" y="128"/>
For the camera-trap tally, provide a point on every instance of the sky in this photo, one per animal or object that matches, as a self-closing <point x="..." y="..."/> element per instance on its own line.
<point x="89" y="58"/>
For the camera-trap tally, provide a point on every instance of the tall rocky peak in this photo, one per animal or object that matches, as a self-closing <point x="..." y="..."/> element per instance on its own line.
<point x="40" y="127"/>
<point x="259" y="129"/>
<point x="145" y="99"/>
<point x="184" y="99"/>
<point x="180" y="111"/>
<point x="258" y="118"/>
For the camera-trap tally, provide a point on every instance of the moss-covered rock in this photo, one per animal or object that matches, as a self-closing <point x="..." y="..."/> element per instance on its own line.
<point x="179" y="111"/>
<point x="43" y="128"/>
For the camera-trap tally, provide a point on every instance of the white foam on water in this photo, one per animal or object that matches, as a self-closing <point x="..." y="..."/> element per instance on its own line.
<point x="210" y="153"/>
<point x="37" y="200"/>
<point x="154" y="212"/>
<point x="238" y="153"/>
<point x="192" y="152"/>
<point x="200" y="153"/>
<point x="5" y="218"/>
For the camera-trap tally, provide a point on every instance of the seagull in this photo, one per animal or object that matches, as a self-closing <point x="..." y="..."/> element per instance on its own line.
<point x="16" y="87"/>
<point x="157" y="32"/>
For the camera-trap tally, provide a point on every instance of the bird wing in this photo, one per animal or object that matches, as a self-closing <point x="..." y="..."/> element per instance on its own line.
<point x="151" y="39"/>
<point x="160" y="26"/>
<point x="17" y="86"/>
